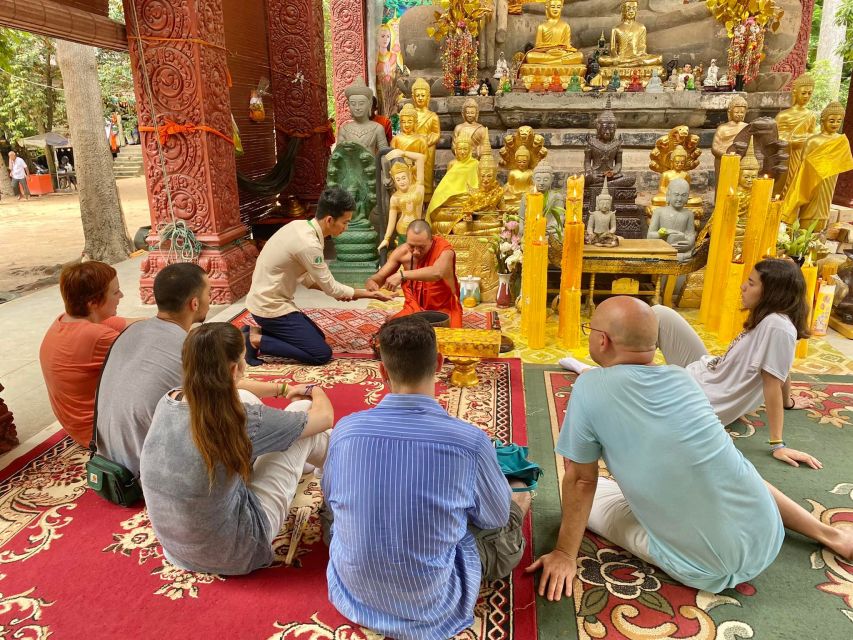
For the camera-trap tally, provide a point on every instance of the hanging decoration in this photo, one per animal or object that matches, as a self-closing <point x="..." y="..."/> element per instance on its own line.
<point x="456" y="30"/>
<point x="746" y="24"/>
<point x="256" y="101"/>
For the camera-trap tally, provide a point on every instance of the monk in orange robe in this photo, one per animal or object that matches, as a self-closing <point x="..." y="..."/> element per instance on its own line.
<point x="425" y="267"/>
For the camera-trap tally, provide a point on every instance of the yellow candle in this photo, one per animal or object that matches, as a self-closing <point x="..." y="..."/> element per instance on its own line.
<point x="533" y="213"/>
<point x="731" y="307"/>
<point x="537" y="309"/>
<point x="759" y="204"/>
<point x="572" y="261"/>
<point x="771" y="228"/>
<point x="719" y="258"/>
<point x="822" y="309"/>
<point x="570" y="318"/>
<point x="717" y="269"/>
<point x="810" y="276"/>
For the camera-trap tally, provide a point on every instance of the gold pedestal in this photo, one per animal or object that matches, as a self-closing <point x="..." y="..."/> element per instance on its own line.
<point x="464" y="372"/>
<point x="464" y="348"/>
<point x="625" y="73"/>
<point x="548" y="71"/>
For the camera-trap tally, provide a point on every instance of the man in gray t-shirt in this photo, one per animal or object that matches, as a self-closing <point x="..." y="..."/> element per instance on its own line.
<point x="145" y="362"/>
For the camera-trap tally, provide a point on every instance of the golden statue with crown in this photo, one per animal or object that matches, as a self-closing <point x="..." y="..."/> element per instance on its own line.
<point x="674" y="156"/>
<point x="628" y="52"/>
<point x="522" y="151"/>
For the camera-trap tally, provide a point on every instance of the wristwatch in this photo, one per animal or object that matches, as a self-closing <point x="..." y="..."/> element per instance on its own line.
<point x="402" y="275"/>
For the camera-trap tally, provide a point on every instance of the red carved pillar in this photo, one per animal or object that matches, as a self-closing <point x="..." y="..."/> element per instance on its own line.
<point x="298" y="69"/>
<point x="844" y="186"/>
<point x="349" y="54"/>
<point x="8" y="434"/>
<point x="185" y="80"/>
<point x="795" y="62"/>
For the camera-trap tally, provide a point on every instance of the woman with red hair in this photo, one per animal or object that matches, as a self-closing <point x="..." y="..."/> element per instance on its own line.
<point x="74" y="347"/>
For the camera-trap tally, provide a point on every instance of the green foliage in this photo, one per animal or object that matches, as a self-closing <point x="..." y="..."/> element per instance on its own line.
<point x="327" y="44"/>
<point x="821" y="71"/>
<point x="844" y="16"/>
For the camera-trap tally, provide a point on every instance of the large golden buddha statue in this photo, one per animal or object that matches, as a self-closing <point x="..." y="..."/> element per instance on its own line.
<point x="628" y="49"/>
<point x="749" y="168"/>
<point x="796" y="124"/>
<point x="445" y="208"/>
<point x="553" y="53"/>
<point x="428" y="127"/>
<point x="674" y="156"/>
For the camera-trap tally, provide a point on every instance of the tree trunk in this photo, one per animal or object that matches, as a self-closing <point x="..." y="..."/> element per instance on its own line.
<point x="104" y="228"/>
<point x="830" y="36"/>
<point x="5" y="180"/>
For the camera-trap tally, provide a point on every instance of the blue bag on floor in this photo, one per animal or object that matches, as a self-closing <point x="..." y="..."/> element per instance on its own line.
<point x="513" y="461"/>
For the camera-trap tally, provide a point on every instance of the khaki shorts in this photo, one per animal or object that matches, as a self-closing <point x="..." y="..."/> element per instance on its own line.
<point x="500" y="549"/>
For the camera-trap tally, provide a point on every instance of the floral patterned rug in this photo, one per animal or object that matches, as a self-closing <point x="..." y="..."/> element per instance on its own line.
<point x="75" y="566"/>
<point x="806" y="593"/>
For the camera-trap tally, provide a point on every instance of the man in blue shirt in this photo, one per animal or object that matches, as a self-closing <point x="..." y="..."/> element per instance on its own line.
<point x="421" y="508"/>
<point x="684" y="498"/>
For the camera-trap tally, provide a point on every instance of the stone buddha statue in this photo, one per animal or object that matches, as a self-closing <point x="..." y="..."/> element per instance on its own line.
<point x="826" y="154"/>
<point x="674" y="222"/>
<point x="725" y="134"/>
<point x="601" y="224"/>
<point x="795" y="125"/>
<point x="445" y="208"/>
<point x="363" y="130"/>
<point x="407" y="202"/>
<point x="428" y="127"/>
<point x="749" y="168"/>
<point x="473" y="130"/>
<point x="553" y="53"/>
<point x="628" y="47"/>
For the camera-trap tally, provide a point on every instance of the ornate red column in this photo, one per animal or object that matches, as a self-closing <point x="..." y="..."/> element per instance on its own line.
<point x="8" y="434"/>
<point x="349" y="54"/>
<point x="185" y="80"/>
<point x="298" y="69"/>
<point x="795" y="62"/>
<point x="844" y="186"/>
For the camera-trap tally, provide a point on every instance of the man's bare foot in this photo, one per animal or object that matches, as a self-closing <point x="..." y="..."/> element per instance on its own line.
<point x="255" y="336"/>
<point x="841" y="542"/>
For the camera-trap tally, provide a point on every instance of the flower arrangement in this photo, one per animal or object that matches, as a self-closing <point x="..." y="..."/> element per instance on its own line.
<point x="456" y="29"/>
<point x="507" y="245"/>
<point x="796" y="242"/>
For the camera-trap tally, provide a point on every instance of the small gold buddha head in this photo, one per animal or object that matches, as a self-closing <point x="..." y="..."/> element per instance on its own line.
<point x="408" y="118"/>
<point x="802" y="89"/>
<point x="832" y="117"/>
<point x="678" y="158"/>
<point x="629" y="10"/>
<point x="470" y="110"/>
<point x="677" y="193"/>
<point x="420" y="93"/>
<point x="401" y="174"/>
<point x="737" y="109"/>
<point x="522" y="158"/>
<point x="487" y="171"/>
<point x="749" y="167"/>
<point x="463" y="148"/>
<point x="543" y="177"/>
<point x="553" y="9"/>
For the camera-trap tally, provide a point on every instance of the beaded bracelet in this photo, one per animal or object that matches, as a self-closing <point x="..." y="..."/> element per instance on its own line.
<point x="777" y="446"/>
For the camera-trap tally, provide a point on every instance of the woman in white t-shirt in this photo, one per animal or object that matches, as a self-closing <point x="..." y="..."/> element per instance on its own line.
<point x="755" y="368"/>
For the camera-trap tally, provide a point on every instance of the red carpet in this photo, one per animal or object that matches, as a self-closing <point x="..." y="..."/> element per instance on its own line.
<point x="74" y="566"/>
<point x="350" y="331"/>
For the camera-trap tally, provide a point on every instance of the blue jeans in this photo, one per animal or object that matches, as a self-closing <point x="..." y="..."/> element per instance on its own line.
<point x="293" y="336"/>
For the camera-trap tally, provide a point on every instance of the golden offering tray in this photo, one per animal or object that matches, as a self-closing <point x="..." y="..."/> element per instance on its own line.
<point x="464" y="348"/>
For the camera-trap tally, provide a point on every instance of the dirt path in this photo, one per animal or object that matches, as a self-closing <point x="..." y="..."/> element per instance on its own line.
<point x="38" y="236"/>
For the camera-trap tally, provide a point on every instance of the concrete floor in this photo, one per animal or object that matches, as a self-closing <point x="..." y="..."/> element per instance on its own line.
<point x="24" y="321"/>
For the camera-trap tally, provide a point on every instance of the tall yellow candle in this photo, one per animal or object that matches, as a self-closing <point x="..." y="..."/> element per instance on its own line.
<point x="771" y="228"/>
<point x="731" y="307"/>
<point x="759" y="204"/>
<point x="570" y="318"/>
<point x="810" y="276"/>
<point x="534" y="206"/>
<point x="726" y="185"/>
<point x="537" y="309"/>
<point x="572" y="261"/>
<point x="719" y="259"/>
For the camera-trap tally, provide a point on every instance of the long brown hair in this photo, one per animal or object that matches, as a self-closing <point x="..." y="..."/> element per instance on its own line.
<point x="783" y="290"/>
<point x="217" y="417"/>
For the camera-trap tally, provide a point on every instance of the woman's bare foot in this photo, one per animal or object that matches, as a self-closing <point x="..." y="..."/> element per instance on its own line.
<point x="840" y="542"/>
<point x="255" y="336"/>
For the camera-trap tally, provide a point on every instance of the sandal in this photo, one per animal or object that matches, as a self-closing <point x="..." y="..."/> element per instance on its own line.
<point x="793" y="404"/>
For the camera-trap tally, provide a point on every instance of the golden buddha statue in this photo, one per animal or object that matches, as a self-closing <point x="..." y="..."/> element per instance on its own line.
<point x="409" y="139"/>
<point x="485" y="205"/>
<point x="553" y="53"/>
<point x="445" y="208"/>
<point x="749" y="168"/>
<point x="473" y="130"/>
<point x="628" y="48"/>
<point x="407" y="202"/>
<point x="520" y="178"/>
<point x="522" y="151"/>
<point x="725" y="134"/>
<point x="674" y="156"/>
<point x="795" y="125"/>
<point x="825" y="156"/>
<point x="429" y="128"/>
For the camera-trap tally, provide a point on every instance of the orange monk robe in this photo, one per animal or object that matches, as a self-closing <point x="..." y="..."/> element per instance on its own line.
<point x="441" y="295"/>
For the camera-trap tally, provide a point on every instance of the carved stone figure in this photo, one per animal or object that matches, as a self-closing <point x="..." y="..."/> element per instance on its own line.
<point x="601" y="224"/>
<point x="654" y="85"/>
<point x="501" y="67"/>
<point x="675" y="167"/>
<point x="628" y="47"/>
<point x="711" y="77"/>
<point x="674" y="222"/>
<point x="429" y="128"/>
<point x="363" y="130"/>
<point x="772" y="153"/>
<point x="725" y="134"/>
<point x="796" y="124"/>
<point x="472" y="130"/>
<point x="553" y="53"/>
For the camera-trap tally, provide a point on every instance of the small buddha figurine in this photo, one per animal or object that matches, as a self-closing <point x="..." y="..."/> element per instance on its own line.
<point x="574" y="85"/>
<point x="520" y="178"/>
<point x="602" y="157"/>
<point x="363" y="130"/>
<point x="429" y="128"/>
<point x="635" y="85"/>
<point x="674" y="222"/>
<point x="501" y="67"/>
<point x="553" y="46"/>
<point x="615" y="83"/>
<point x="556" y="85"/>
<point x="594" y="79"/>
<point x="538" y="84"/>
<point x="825" y="156"/>
<point x="711" y="80"/>
<point x="628" y="44"/>
<point x="654" y="85"/>
<point x="485" y="88"/>
<point x="445" y="206"/>
<point x="601" y="224"/>
<point x="406" y="202"/>
<point x="725" y="134"/>
<point x="749" y="168"/>
<point x="795" y="124"/>
<point x="678" y="164"/>
<point x="470" y="128"/>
